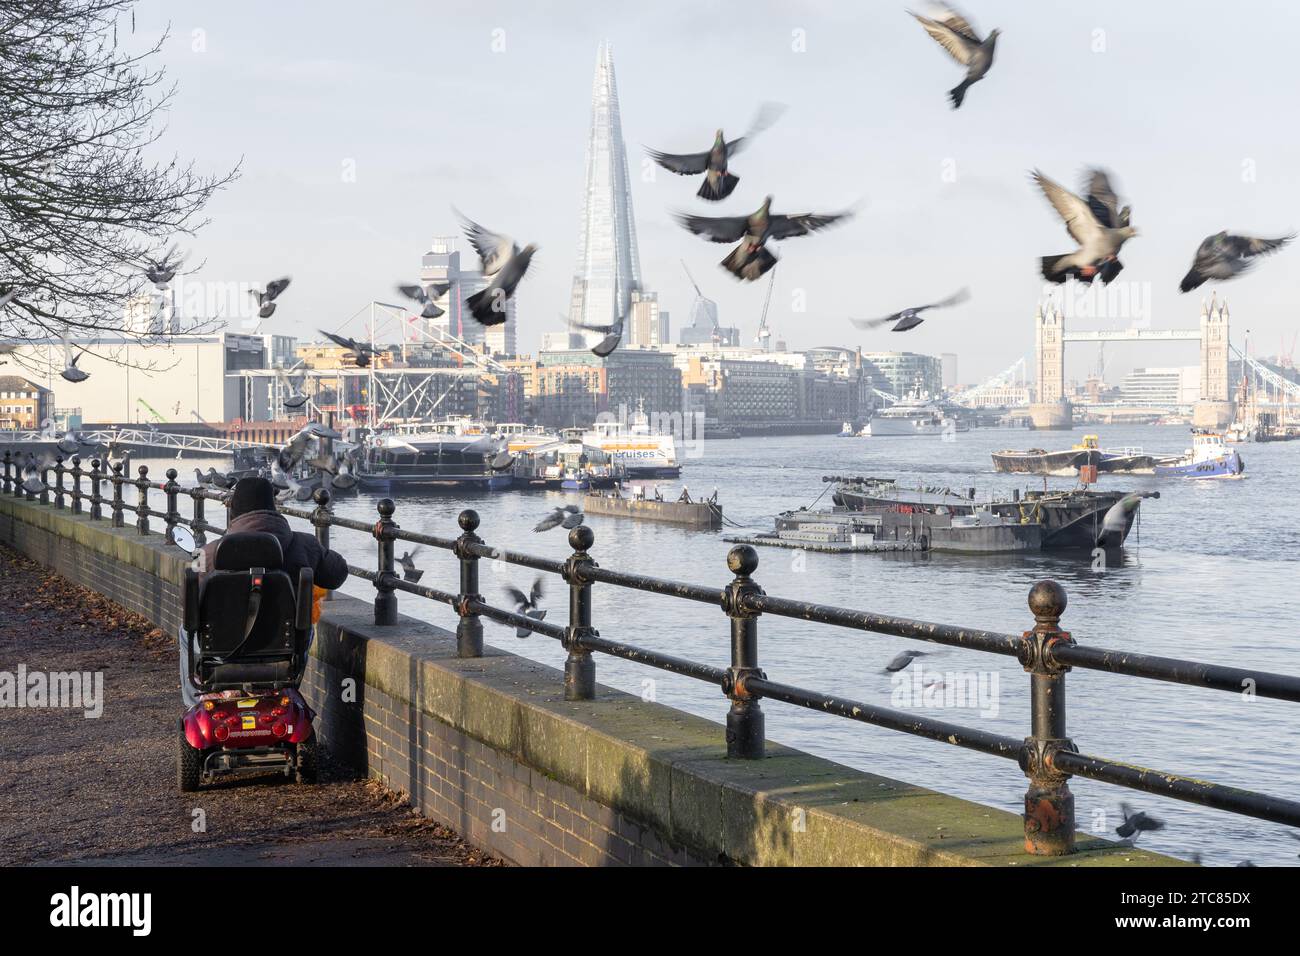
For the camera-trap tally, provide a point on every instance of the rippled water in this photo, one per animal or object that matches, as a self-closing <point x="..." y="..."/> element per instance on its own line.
<point x="1210" y="573"/>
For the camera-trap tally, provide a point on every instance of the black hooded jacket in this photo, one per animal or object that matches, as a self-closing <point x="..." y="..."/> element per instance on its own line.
<point x="300" y="550"/>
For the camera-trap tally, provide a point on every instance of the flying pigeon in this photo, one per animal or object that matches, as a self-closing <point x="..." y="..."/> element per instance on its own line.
<point x="911" y="318"/>
<point x="1222" y="256"/>
<point x="296" y="398"/>
<point x="1136" y="823"/>
<point x="32" y="482"/>
<point x="526" y="604"/>
<point x="426" y="296"/>
<point x="345" y="477"/>
<point x="409" y="571"/>
<point x="1115" y="524"/>
<point x="751" y="258"/>
<point x="1098" y="225"/>
<point x="161" y="271"/>
<point x="611" y="333"/>
<point x="7" y="297"/>
<point x="505" y="262"/>
<point x="570" y="516"/>
<point x="71" y="443"/>
<point x="718" y="181"/>
<point x="72" y="373"/>
<point x="952" y="32"/>
<point x="266" y="300"/>
<point x="901" y="660"/>
<point x="360" y="351"/>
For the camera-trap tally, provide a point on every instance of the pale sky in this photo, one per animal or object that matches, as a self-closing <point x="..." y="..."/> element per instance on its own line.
<point x="1190" y="105"/>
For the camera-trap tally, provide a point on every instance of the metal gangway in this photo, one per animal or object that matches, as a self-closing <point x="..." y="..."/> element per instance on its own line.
<point x="138" y="438"/>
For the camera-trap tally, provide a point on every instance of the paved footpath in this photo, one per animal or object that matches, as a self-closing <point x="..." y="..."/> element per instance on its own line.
<point x="103" y="791"/>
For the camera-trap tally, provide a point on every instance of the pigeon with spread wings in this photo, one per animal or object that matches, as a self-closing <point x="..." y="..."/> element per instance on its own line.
<point x="1097" y="224"/>
<point x="954" y="33"/>
<point x="752" y="258"/>
<point x="505" y="262"/>
<point x="911" y="318"/>
<point x="361" y="352"/>
<point x="426" y="296"/>
<point x="1223" y="255"/>
<point x="266" y="299"/>
<point x="718" y="180"/>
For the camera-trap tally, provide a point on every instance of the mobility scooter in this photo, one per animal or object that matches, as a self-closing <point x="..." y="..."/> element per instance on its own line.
<point x="248" y="627"/>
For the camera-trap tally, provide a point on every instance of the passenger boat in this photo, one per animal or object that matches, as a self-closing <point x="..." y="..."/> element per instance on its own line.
<point x="453" y="453"/>
<point x="912" y="416"/>
<point x="1068" y="519"/>
<point x="632" y="445"/>
<point x="1209" y="457"/>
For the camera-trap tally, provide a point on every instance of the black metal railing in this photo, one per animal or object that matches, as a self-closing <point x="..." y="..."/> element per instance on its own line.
<point x="1047" y="756"/>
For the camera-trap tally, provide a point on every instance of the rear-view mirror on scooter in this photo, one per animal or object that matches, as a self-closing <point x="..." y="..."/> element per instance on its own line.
<point x="184" y="538"/>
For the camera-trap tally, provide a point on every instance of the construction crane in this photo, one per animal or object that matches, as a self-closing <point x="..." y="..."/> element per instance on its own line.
<point x="764" y="337"/>
<point x="157" y="416"/>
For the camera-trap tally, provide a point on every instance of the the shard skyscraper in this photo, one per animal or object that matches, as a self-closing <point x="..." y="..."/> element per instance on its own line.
<point x="609" y="267"/>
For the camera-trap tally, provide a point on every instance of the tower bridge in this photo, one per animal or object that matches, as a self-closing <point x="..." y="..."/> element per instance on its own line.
<point x="1214" y="409"/>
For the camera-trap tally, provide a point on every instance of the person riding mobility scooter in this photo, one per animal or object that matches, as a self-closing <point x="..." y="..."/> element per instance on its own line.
<point x="246" y="629"/>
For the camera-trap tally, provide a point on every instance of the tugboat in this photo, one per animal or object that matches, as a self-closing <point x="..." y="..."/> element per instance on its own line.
<point x="1209" y="457"/>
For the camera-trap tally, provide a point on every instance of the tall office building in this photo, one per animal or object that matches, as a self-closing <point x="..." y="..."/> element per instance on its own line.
<point x="609" y="267"/>
<point x="648" y="325"/>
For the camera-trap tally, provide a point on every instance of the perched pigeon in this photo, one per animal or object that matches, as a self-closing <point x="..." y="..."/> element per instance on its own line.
<point x="161" y="271"/>
<point x="1136" y="823"/>
<point x="360" y="351"/>
<point x="72" y="373"/>
<point x="570" y="516"/>
<point x="426" y="295"/>
<point x="1098" y="225"/>
<point x="1222" y="256"/>
<point x="409" y="571"/>
<point x="718" y="181"/>
<point x="751" y="258"/>
<point x="911" y="318"/>
<point x="951" y="30"/>
<point x="901" y="660"/>
<point x="266" y="300"/>
<point x="505" y="262"/>
<point x="526" y="604"/>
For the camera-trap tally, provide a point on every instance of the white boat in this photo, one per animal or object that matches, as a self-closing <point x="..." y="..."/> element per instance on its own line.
<point x="912" y="416"/>
<point x="631" y="444"/>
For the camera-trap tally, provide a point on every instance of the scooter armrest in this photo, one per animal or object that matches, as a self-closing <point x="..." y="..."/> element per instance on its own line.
<point x="305" y="582"/>
<point x="190" y="601"/>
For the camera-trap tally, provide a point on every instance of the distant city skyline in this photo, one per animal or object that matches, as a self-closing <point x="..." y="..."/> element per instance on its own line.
<point x="355" y="148"/>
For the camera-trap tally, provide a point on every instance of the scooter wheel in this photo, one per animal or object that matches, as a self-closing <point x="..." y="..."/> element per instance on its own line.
<point x="305" y="767"/>
<point x="189" y="762"/>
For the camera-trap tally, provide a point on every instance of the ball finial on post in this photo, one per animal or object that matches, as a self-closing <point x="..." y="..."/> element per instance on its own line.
<point x="742" y="560"/>
<point x="1047" y="601"/>
<point x="468" y="520"/>
<point x="582" y="538"/>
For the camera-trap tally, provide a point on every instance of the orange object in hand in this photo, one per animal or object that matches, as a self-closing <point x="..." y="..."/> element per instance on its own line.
<point x="317" y="595"/>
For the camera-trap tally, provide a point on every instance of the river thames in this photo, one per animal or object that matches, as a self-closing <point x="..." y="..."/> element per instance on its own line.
<point x="1209" y="573"/>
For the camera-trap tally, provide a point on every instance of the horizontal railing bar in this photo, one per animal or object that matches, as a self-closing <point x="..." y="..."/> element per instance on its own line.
<point x="419" y="537"/>
<point x="1188" y="789"/>
<point x="666" y="662"/>
<point x="1193" y="673"/>
<point x="503" y="616"/>
<point x="989" y="641"/>
<point x="515" y="557"/>
<point x="363" y="573"/>
<point x="971" y="739"/>
<point x="423" y="590"/>
<point x="641" y="582"/>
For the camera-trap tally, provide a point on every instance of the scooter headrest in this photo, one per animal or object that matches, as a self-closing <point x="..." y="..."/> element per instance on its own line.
<point x="248" y="549"/>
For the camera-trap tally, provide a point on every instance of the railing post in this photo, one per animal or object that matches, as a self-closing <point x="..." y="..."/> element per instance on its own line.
<point x="198" y="523"/>
<point x="745" y="734"/>
<point x="45" y="484"/>
<point x="385" y="593"/>
<point x="117" y="480"/>
<point x="469" y="629"/>
<point x="58" y="482"/>
<point x="320" y="520"/>
<point x="7" y="479"/>
<point x="1049" y="805"/>
<point x="579" y="666"/>
<point x="142" y="500"/>
<point x="76" y="484"/>
<point x="172" y="517"/>
<point x="96" y="481"/>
